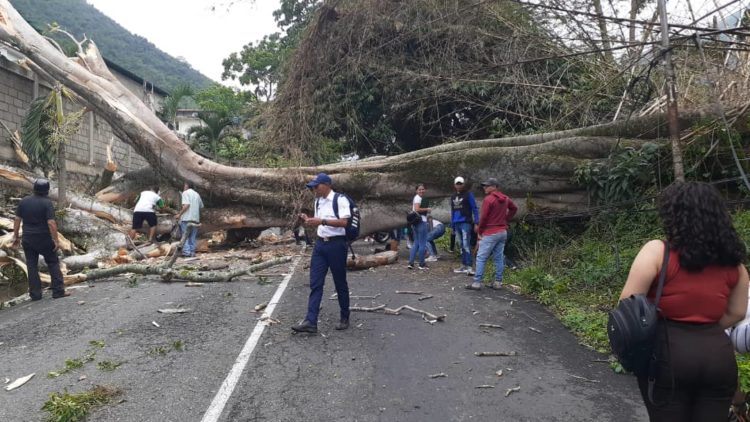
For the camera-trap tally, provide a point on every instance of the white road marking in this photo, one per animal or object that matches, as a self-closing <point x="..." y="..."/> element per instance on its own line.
<point x="227" y="387"/>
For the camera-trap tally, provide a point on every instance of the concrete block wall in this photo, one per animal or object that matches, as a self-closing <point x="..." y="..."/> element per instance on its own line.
<point x="86" y="150"/>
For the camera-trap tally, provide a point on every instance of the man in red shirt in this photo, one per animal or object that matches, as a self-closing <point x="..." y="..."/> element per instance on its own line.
<point x="497" y="210"/>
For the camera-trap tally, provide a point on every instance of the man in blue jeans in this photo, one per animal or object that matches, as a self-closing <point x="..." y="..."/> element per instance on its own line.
<point x="329" y="252"/>
<point x="497" y="210"/>
<point x="436" y="232"/>
<point x="464" y="215"/>
<point x="189" y="213"/>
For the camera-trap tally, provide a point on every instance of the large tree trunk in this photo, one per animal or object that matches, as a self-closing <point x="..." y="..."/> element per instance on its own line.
<point x="535" y="168"/>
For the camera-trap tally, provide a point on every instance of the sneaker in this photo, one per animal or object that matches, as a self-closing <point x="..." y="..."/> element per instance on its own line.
<point x="305" y="327"/>
<point x="461" y="270"/>
<point x="474" y="286"/>
<point x="409" y="244"/>
<point x="470" y="271"/>
<point x="431" y="259"/>
<point x="410" y="267"/>
<point x="496" y="285"/>
<point x="423" y="267"/>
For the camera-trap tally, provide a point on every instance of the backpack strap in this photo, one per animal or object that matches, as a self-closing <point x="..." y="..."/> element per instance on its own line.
<point x="662" y="274"/>
<point x="336" y="204"/>
<point x="653" y="367"/>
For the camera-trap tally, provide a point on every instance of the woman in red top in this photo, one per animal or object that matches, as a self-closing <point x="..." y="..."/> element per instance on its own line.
<point x="705" y="291"/>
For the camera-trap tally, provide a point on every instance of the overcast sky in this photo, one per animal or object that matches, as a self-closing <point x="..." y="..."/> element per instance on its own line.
<point x="191" y="29"/>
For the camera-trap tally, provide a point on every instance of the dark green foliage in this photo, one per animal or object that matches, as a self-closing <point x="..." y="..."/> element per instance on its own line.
<point x="34" y="132"/>
<point x="579" y="269"/>
<point x="625" y="176"/>
<point x="132" y="52"/>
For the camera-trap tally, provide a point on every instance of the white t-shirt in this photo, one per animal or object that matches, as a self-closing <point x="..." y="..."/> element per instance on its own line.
<point x="324" y="209"/>
<point x="415" y="203"/>
<point x="147" y="201"/>
<point x="193" y="212"/>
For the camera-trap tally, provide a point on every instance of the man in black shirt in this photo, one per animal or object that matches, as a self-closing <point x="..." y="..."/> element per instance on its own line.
<point x="39" y="238"/>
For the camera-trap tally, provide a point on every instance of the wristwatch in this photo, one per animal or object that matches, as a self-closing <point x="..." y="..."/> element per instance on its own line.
<point x="324" y="222"/>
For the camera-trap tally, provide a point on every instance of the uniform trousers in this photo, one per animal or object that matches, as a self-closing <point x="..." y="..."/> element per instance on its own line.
<point x="327" y="255"/>
<point x="41" y="244"/>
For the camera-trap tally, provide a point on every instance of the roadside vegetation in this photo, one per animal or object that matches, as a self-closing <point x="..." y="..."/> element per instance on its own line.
<point x="577" y="266"/>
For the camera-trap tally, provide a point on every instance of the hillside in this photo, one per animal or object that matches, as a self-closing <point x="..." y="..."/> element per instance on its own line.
<point x="118" y="45"/>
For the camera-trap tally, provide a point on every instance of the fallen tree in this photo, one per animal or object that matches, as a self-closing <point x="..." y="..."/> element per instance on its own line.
<point x="537" y="168"/>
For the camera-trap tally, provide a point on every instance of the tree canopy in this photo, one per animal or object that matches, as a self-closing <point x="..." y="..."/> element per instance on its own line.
<point x="387" y="77"/>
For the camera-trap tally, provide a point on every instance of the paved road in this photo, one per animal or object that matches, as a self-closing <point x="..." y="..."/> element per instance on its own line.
<point x="376" y="371"/>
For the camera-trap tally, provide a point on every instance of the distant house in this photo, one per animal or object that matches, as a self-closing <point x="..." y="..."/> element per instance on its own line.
<point x="86" y="152"/>
<point x="187" y="118"/>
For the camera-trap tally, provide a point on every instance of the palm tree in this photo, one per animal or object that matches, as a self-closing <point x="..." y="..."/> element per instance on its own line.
<point x="46" y="128"/>
<point x="171" y="104"/>
<point x="213" y="129"/>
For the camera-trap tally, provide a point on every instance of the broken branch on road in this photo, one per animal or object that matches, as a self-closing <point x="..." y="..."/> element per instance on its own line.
<point x="484" y="354"/>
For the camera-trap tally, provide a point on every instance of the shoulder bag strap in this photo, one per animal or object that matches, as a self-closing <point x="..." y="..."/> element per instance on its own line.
<point x="336" y="205"/>
<point x="662" y="274"/>
<point x="652" y="370"/>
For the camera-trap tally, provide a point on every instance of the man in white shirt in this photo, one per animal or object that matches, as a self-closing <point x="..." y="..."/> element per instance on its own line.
<point x="190" y="213"/>
<point x="329" y="252"/>
<point x="145" y="210"/>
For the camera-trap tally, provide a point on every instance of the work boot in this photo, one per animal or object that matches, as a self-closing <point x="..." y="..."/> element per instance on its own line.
<point x="343" y="324"/>
<point x="305" y="327"/>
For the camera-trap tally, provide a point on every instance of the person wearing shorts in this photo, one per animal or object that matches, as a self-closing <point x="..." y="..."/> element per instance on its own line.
<point x="145" y="210"/>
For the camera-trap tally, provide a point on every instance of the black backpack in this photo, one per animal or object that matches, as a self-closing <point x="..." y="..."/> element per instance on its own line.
<point x="632" y="328"/>
<point x="352" y="224"/>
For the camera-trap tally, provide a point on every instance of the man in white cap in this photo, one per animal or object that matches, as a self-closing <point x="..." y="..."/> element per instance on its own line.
<point x="464" y="216"/>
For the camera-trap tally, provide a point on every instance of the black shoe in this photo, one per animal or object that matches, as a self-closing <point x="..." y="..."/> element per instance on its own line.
<point x="342" y="325"/>
<point x="64" y="294"/>
<point x="305" y="327"/>
<point x="34" y="299"/>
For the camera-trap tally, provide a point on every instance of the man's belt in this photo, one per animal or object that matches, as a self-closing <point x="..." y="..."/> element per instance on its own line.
<point x="328" y="239"/>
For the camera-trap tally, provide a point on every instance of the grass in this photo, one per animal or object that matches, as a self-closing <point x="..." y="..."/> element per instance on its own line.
<point x="71" y="407"/>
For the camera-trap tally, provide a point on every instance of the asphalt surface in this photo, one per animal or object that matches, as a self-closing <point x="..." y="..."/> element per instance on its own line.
<point x="378" y="370"/>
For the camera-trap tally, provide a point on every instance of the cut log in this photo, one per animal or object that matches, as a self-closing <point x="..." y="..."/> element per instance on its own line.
<point x="110" y="167"/>
<point x="362" y="262"/>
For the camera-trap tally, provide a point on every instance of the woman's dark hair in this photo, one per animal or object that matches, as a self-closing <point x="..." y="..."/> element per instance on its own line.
<point x="698" y="225"/>
<point x="420" y="185"/>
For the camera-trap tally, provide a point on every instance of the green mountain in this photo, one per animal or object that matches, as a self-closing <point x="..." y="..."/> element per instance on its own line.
<point x="119" y="46"/>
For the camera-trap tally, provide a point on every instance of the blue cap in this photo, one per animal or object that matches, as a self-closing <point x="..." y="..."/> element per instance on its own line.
<point x="320" y="178"/>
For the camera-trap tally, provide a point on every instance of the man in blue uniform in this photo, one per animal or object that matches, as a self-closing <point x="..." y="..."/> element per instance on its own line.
<point x="39" y="238"/>
<point x="329" y="252"/>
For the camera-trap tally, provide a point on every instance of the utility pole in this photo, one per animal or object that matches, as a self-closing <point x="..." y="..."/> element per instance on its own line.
<point x="674" y="128"/>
